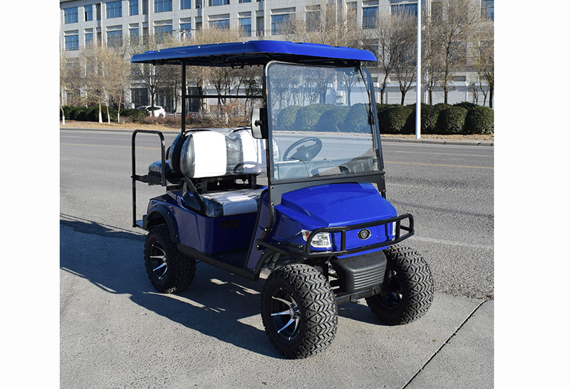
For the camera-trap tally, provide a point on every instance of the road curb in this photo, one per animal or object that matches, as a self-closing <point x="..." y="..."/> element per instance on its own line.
<point x="384" y="139"/>
<point x="439" y="141"/>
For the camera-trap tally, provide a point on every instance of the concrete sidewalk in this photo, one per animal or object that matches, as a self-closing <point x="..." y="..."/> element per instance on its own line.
<point x="116" y="331"/>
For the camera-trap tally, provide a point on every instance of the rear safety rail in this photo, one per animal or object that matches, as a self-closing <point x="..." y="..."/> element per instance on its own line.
<point x="146" y="178"/>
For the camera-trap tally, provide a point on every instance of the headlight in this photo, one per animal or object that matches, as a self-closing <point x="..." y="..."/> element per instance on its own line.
<point x="322" y="240"/>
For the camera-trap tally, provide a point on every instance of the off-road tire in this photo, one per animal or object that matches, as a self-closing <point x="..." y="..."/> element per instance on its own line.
<point x="407" y="289"/>
<point x="169" y="270"/>
<point x="314" y="310"/>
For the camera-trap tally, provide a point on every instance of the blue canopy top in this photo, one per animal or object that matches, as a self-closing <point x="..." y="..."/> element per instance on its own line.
<point x="255" y="53"/>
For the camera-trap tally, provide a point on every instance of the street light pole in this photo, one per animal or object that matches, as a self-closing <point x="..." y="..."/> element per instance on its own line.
<point x="419" y="75"/>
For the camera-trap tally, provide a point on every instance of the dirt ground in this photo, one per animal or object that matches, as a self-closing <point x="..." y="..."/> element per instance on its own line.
<point x="133" y="126"/>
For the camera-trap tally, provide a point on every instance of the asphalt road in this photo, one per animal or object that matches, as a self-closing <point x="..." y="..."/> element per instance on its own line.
<point x="117" y="332"/>
<point x="448" y="189"/>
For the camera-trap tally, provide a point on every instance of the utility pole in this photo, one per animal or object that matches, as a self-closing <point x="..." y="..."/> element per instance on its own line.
<point x="419" y="75"/>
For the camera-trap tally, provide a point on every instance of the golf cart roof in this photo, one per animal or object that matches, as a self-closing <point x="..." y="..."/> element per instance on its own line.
<point x="255" y="53"/>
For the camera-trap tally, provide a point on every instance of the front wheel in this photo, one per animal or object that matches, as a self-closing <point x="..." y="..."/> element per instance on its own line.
<point x="169" y="271"/>
<point x="407" y="291"/>
<point x="299" y="311"/>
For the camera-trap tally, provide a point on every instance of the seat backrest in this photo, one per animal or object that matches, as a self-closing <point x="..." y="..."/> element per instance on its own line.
<point x="173" y="154"/>
<point x="215" y="153"/>
<point x="204" y="154"/>
<point x="246" y="155"/>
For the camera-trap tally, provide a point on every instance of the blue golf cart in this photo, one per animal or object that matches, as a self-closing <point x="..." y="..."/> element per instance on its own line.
<point x="297" y="199"/>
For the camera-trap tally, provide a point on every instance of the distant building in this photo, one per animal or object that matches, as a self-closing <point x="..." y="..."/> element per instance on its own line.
<point x="88" y="22"/>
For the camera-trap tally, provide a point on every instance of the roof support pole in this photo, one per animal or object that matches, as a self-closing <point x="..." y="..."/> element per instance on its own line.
<point x="184" y="92"/>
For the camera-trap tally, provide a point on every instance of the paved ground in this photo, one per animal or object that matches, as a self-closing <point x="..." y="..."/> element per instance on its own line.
<point x="116" y="332"/>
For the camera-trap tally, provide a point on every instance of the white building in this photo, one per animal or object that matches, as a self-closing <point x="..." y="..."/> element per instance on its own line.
<point x="84" y="22"/>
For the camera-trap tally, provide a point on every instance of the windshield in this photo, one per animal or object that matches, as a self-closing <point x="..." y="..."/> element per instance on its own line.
<point x="319" y="121"/>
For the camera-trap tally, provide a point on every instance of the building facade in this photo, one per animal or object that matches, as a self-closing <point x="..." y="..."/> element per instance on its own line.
<point x="87" y="22"/>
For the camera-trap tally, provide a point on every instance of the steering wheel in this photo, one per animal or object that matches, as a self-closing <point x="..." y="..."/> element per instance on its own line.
<point x="304" y="153"/>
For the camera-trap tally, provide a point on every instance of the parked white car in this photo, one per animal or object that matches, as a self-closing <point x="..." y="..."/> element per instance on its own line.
<point x="158" y="110"/>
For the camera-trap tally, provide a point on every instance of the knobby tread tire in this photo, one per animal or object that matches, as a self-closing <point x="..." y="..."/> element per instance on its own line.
<point x="319" y="312"/>
<point x="181" y="268"/>
<point x="416" y="283"/>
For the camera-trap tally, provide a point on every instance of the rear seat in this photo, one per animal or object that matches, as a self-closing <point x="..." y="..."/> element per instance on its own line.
<point x="220" y="154"/>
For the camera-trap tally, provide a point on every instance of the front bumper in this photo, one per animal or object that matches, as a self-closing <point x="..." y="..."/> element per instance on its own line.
<point x="340" y="236"/>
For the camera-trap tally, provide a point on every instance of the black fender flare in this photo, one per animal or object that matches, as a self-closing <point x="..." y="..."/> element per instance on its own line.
<point x="161" y="214"/>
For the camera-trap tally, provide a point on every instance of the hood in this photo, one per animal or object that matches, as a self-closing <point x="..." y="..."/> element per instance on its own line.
<point x="335" y="205"/>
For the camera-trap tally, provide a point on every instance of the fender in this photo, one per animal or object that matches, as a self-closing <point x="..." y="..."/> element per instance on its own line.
<point x="161" y="214"/>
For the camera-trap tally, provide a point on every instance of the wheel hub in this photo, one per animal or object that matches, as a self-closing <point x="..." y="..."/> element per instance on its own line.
<point x="288" y="314"/>
<point x="159" y="261"/>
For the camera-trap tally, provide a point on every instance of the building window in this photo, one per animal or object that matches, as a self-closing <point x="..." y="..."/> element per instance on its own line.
<point x="259" y="27"/>
<point x="134" y="35"/>
<point x="369" y="17"/>
<point x="133" y="7"/>
<point x="115" y="38"/>
<point x="88" y="12"/>
<point x="70" y="15"/>
<point x="405" y="9"/>
<point x="245" y="1"/>
<point x="162" y="5"/>
<point x="139" y="97"/>
<point x="185" y="30"/>
<point x="279" y="23"/>
<point x="88" y="39"/>
<point x="114" y="9"/>
<point x="245" y="26"/>
<point x="313" y="20"/>
<point x="71" y="42"/>
<point x="214" y="3"/>
<point x="185" y="4"/>
<point x="488" y="9"/>
<point x="223" y="24"/>
<point x="162" y="31"/>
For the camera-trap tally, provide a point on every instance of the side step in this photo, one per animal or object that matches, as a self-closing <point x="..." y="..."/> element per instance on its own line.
<point x="240" y="271"/>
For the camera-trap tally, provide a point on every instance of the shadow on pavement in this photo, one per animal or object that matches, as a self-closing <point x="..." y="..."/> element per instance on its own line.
<point x="217" y="304"/>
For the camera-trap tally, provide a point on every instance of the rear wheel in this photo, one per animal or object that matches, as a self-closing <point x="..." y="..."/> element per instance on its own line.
<point x="169" y="271"/>
<point x="299" y="311"/>
<point x="407" y="291"/>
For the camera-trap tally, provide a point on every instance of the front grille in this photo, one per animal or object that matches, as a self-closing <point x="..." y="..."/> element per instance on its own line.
<point x="360" y="272"/>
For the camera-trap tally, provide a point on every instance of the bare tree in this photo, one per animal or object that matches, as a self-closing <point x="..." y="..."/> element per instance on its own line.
<point x="388" y="39"/>
<point x="94" y="76"/>
<point x="153" y="77"/>
<point x="221" y="78"/>
<point x="405" y="28"/>
<point x="117" y="75"/>
<point x="459" y="19"/>
<point x="324" y="23"/>
<point x="484" y="59"/>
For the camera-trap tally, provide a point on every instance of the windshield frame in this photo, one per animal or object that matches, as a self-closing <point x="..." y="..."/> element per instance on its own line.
<point x="365" y="76"/>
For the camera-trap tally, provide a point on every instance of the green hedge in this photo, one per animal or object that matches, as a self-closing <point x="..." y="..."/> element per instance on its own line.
<point x="91" y="114"/>
<point x="287" y="116"/>
<point x="308" y="116"/>
<point x="332" y="120"/>
<point x="461" y="118"/>
<point x="480" y="120"/>
<point x="451" y="120"/>
<point x="356" y="119"/>
<point x="393" y="120"/>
